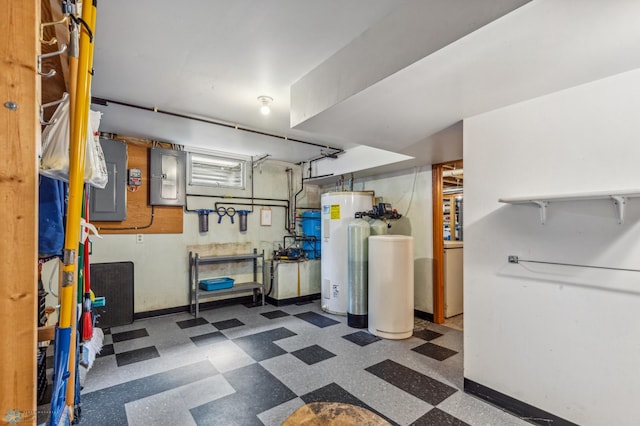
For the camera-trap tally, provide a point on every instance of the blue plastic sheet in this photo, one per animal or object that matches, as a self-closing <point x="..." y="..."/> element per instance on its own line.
<point x="51" y="211"/>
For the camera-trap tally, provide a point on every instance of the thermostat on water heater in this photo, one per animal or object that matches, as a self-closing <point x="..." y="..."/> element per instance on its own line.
<point x="135" y="177"/>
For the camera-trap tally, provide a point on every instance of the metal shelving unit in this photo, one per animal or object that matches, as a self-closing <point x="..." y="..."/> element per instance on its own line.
<point x="196" y="293"/>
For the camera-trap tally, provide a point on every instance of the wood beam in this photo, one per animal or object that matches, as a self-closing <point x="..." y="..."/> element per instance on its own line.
<point x="438" y="245"/>
<point x="19" y="136"/>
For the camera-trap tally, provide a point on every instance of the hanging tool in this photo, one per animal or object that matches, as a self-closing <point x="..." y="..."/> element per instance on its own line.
<point x="225" y="211"/>
<point x="63" y="398"/>
<point x="86" y="321"/>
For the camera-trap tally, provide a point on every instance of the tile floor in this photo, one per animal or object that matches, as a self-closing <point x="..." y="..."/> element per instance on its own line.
<point x="240" y="365"/>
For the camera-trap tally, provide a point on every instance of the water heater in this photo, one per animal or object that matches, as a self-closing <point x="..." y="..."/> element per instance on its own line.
<point x="338" y="209"/>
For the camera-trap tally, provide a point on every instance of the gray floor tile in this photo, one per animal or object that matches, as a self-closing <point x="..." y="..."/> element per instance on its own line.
<point x="260" y="346"/>
<point x="257" y="390"/>
<point x="278" y="414"/>
<point x="227" y="356"/>
<point x="362" y="338"/>
<point x="386" y="398"/>
<point x="412" y="382"/>
<point x="191" y="322"/>
<point x="274" y="314"/>
<point x="452" y="340"/>
<point x="166" y="408"/>
<point x="230" y="323"/>
<point x="136" y="355"/>
<point x="204" y="391"/>
<point x="209" y="338"/>
<point x="434" y="351"/>
<point x="132" y="344"/>
<point x="438" y="417"/>
<point x="477" y="412"/>
<point x="128" y="335"/>
<point x="312" y="354"/>
<point x="316" y="319"/>
<point x="427" y="335"/>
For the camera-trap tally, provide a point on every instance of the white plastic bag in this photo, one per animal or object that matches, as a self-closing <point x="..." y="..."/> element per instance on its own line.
<point x="55" y="149"/>
<point x="95" y="167"/>
<point x="55" y="145"/>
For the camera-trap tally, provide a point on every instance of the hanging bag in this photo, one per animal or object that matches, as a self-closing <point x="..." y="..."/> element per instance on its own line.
<point x="95" y="171"/>
<point x="55" y="149"/>
<point x="55" y="145"/>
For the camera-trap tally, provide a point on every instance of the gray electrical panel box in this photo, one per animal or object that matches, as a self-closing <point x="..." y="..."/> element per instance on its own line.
<point x="110" y="204"/>
<point x="168" y="175"/>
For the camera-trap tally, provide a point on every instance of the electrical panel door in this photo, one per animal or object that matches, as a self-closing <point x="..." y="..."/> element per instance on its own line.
<point x="110" y="203"/>
<point x="168" y="168"/>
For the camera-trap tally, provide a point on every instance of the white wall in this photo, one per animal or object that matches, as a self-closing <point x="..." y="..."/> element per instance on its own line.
<point x="409" y="191"/>
<point x="161" y="262"/>
<point x="566" y="340"/>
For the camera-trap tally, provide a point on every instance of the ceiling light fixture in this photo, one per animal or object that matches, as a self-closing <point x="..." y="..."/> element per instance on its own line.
<point x="265" y="101"/>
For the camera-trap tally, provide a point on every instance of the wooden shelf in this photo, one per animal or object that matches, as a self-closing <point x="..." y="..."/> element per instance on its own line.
<point x="619" y="199"/>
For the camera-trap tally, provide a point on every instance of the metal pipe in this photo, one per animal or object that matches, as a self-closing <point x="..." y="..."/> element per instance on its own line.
<point x="318" y="177"/>
<point x="218" y="204"/>
<point x="106" y="102"/>
<point x="516" y="259"/>
<point x="295" y="197"/>
<point x="291" y="216"/>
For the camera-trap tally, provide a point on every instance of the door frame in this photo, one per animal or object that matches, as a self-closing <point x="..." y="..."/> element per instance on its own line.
<point x="437" y="194"/>
<point x="438" y="243"/>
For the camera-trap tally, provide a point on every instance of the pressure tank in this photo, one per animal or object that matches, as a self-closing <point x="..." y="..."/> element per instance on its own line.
<point x="338" y="209"/>
<point x="378" y="227"/>
<point x="358" y="258"/>
<point x="312" y="230"/>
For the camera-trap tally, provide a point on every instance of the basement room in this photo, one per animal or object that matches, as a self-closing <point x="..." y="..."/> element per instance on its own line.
<point x="297" y="212"/>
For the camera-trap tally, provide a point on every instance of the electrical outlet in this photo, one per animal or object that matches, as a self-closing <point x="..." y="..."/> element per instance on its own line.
<point x="139" y="238"/>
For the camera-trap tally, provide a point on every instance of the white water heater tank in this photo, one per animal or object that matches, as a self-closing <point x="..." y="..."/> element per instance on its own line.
<point x="338" y="209"/>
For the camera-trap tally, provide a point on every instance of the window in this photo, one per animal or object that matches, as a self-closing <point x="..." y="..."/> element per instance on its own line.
<point x="209" y="170"/>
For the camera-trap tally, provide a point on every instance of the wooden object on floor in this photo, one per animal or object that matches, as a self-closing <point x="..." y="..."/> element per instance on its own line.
<point x="19" y="136"/>
<point x="333" y="413"/>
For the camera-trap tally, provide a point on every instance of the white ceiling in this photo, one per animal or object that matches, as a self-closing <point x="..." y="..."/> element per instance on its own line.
<point x="214" y="58"/>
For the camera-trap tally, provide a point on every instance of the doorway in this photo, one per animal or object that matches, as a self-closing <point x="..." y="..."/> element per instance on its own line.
<point x="448" y="246"/>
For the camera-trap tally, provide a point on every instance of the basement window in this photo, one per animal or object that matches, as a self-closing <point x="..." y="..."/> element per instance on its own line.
<point x="209" y="170"/>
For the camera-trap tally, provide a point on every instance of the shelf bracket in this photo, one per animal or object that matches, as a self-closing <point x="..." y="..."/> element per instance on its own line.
<point x="543" y="210"/>
<point x="619" y="204"/>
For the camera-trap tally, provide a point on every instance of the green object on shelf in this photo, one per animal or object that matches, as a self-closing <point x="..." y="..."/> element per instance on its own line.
<point x="99" y="301"/>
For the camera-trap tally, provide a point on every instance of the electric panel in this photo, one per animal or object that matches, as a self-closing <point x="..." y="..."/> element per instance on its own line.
<point x="110" y="203"/>
<point x="167" y="173"/>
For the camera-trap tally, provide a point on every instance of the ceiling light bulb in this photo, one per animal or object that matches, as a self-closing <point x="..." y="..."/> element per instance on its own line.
<point x="265" y="101"/>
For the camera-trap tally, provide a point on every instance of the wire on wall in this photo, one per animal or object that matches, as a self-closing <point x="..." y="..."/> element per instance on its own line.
<point x="413" y="191"/>
<point x="132" y="228"/>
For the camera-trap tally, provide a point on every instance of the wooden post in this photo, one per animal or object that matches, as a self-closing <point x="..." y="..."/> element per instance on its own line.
<point x="438" y="245"/>
<point x="19" y="136"/>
